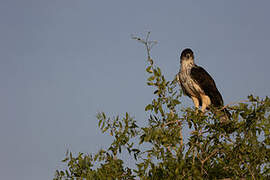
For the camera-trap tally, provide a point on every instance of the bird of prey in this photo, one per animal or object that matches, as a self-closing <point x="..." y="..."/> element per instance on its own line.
<point x="197" y="84"/>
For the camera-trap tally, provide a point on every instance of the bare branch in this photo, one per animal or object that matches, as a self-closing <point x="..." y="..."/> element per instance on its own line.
<point x="148" y="44"/>
<point x="233" y="103"/>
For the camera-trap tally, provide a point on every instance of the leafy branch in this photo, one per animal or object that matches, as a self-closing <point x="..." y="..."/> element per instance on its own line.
<point x="239" y="149"/>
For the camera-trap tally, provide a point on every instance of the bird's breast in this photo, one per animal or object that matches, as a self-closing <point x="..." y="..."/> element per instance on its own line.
<point x="189" y="84"/>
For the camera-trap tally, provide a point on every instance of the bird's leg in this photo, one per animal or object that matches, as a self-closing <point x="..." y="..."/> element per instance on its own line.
<point x="196" y="102"/>
<point x="205" y="102"/>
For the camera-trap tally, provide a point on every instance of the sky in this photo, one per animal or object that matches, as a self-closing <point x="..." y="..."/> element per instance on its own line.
<point x="62" y="61"/>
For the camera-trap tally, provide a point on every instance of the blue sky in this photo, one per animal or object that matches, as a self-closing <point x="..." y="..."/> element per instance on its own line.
<point x="62" y="61"/>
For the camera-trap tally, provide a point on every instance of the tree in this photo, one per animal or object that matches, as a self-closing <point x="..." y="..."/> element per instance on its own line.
<point x="214" y="150"/>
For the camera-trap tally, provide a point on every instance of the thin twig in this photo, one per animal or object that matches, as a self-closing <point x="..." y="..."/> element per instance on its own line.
<point x="148" y="44"/>
<point x="208" y="157"/>
<point x="180" y="134"/>
<point x="172" y="122"/>
<point x="193" y="159"/>
<point x="242" y="101"/>
<point x="179" y="123"/>
<point x="227" y="105"/>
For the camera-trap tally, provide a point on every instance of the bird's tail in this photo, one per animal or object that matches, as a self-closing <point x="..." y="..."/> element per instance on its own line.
<point x="225" y="116"/>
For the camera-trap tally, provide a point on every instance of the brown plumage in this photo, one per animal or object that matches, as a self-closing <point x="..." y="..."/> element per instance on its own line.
<point x="197" y="83"/>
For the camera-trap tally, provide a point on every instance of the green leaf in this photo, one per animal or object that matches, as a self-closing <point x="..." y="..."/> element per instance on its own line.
<point x="149" y="107"/>
<point x="176" y="101"/>
<point x="149" y="69"/>
<point x="151" y="78"/>
<point x="99" y="122"/>
<point x="158" y="71"/>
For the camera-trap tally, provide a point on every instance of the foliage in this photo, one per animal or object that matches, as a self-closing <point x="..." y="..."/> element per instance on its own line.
<point x="214" y="150"/>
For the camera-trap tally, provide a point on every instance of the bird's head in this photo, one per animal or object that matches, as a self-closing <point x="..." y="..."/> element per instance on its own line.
<point x="187" y="56"/>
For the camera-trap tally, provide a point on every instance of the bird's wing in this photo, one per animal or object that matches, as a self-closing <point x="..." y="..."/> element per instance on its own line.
<point x="207" y="84"/>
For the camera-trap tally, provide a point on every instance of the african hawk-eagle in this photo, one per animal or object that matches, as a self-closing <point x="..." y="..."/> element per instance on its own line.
<point x="197" y="84"/>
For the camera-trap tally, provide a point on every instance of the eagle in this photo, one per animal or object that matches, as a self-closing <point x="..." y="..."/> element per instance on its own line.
<point x="197" y="84"/>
